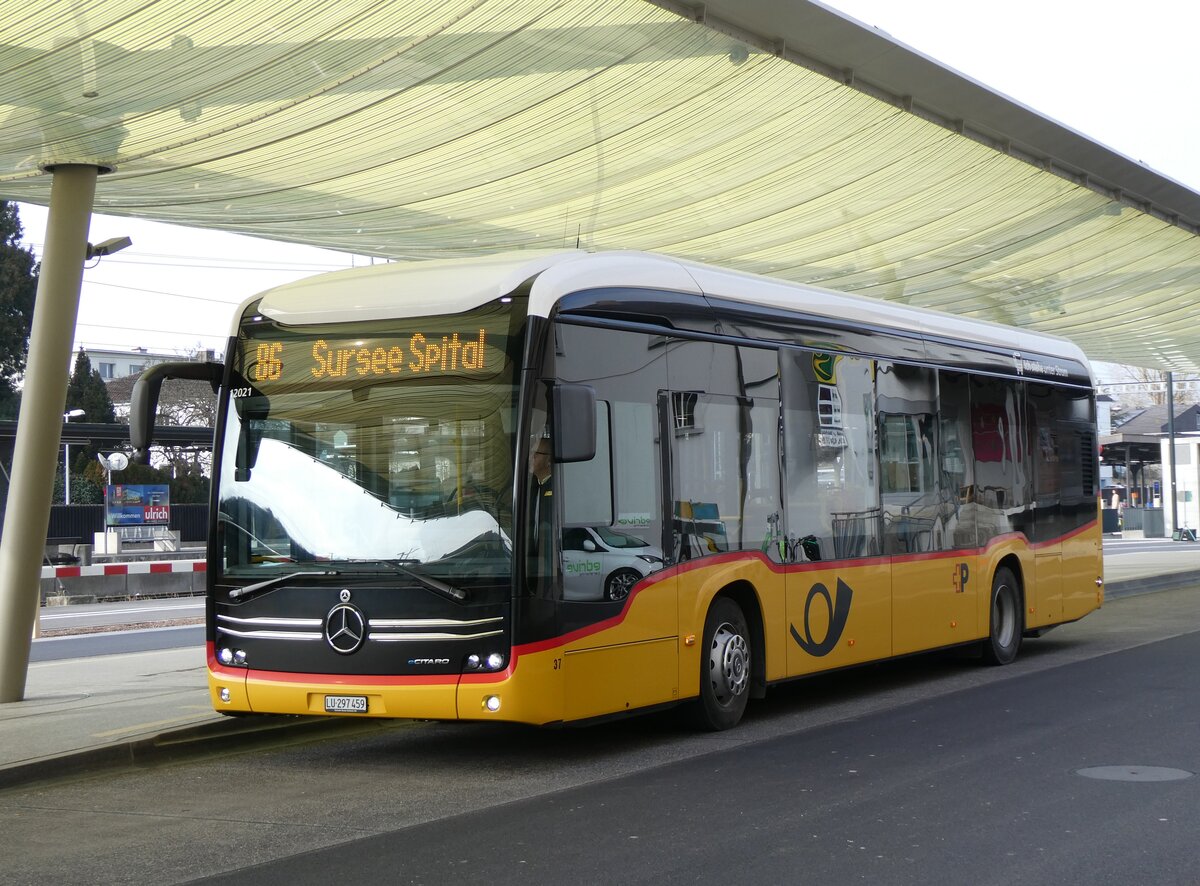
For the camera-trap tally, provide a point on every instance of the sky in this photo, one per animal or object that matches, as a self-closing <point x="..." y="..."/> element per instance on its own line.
<point x="1117" y="72"/>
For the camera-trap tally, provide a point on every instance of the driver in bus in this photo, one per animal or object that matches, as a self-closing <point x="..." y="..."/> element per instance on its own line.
<point x="542" y="501"/>
<point x="541" y="514"/>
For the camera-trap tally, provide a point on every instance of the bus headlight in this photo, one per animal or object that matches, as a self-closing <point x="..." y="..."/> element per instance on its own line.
<point x="224" y="695"/>
<point x="492" y="703"/>
<point x="225" y="655"/>
<point x="494" y="662"/>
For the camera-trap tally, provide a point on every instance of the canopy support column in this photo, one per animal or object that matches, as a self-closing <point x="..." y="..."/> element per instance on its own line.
<point x="1171" y="444"/>
<point x="39" y="425"/>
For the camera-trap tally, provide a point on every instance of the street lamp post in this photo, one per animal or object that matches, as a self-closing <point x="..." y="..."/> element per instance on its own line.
<point x="67" y="416"/>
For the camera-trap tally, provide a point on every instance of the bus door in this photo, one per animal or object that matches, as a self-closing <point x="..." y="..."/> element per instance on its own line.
<point x="1081" y="545"/>
<point x="839" y="594"/>
<point x="1052" y="458"/>
<point x="721" y="418"/>
<point x="958" y="511"/>
<point x="927" y="530"/>
<point x="1002" y="486"/>
<point x="618" y="614"/>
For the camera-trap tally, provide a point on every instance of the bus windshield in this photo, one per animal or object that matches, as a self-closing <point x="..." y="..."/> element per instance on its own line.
<point x="385" y="447"/>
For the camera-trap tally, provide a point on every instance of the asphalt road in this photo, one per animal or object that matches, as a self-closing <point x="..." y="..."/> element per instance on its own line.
<point x="117" y="614"/>
<point x="931" y="769"/>
<point x="980" y="787"/>
<point x="85" y="629"/>
<point x="116" y="642"/>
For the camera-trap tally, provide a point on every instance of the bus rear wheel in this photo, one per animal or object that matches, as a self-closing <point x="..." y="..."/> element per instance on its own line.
<point x="724" y="667"/>
<point x="1004" y="634"/>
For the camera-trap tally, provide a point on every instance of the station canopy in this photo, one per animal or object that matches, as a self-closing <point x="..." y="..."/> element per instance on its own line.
<point x="774" y="136"/>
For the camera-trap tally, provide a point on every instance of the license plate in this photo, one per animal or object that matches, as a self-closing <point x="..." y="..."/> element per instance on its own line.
<point x="345" y="704"/>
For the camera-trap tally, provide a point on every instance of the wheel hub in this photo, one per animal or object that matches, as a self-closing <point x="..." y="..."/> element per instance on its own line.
<point x="729" y="663"/>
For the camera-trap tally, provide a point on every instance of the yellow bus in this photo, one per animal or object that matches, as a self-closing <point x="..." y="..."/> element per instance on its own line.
<point x="556" y="487"/>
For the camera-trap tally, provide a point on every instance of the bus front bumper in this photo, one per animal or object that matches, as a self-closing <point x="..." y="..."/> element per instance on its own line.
<point x="441" y="697"/>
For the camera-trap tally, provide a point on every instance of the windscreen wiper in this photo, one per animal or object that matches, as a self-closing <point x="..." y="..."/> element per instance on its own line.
<point x="271" y="583"/>
<point x="428" y="582"/>
<point x="433" y="584"/>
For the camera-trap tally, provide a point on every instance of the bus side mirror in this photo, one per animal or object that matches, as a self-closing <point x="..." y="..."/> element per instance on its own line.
<point x="143" y="404"/>
<point x="573" y="408"/>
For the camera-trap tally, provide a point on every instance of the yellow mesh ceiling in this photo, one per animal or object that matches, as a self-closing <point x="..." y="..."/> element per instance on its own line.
<point x="419" y="129"/>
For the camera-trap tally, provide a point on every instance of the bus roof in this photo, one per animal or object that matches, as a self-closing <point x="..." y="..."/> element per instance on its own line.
<point x="402" y="289"/>
<point x="658" y="271"/>
<point x="417" y="289"/>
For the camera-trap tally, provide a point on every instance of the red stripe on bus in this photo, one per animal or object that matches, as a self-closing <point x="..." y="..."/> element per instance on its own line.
<point x="779" y="569"/>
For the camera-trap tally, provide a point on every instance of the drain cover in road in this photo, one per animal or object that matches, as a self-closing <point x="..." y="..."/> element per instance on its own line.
<point x="1135" y="773"/>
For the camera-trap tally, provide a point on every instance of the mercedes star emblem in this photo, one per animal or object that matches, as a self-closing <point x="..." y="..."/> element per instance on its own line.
<point x="345" y="628"/>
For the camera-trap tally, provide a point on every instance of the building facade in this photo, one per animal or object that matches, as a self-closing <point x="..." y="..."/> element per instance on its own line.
<point x="113" y="363"/>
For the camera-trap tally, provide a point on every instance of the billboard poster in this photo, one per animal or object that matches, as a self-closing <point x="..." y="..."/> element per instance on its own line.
<point x="137" y="505"/>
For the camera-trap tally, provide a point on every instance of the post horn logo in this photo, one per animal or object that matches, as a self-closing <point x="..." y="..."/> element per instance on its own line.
<point x="839" y="613"/>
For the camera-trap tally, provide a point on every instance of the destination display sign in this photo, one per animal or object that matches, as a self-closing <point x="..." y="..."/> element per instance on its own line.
<point x="273" y="360"/>
<point x="330" y="359"/>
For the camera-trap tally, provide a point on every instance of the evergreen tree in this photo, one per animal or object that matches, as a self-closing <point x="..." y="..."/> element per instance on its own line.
<point x="18" y="286"/>
<point x="86" y="390"/>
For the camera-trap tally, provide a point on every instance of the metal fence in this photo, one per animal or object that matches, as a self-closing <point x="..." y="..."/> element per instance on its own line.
<point x="79" y="522"/>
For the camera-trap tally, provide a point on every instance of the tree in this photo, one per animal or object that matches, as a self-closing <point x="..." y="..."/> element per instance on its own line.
<point x="18" y="286"/>
<point x="181" y="402"/>
<point x="1137" y="387"/>
<point x="86" y="390"/>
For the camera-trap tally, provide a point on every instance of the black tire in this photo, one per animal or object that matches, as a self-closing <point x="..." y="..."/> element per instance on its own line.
<point x="724" y="667"/>
<point x="618" y="584"/>
<point x="1006" y="619"/>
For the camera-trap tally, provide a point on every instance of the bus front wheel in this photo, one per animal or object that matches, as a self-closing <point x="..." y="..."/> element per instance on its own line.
<point x="1004" y="635"/>
<point x="724" y="666"/>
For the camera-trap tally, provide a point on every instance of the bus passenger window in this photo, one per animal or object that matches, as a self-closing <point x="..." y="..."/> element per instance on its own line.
<point x="1002" y="470"/>
<point x="914" y="514"/>
<point x="956" y="461"/>
<point x="829" y="456"/>
<point x="726" y="475"/>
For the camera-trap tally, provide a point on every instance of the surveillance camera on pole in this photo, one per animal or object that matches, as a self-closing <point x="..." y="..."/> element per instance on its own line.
<point x="107" y="247"/>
